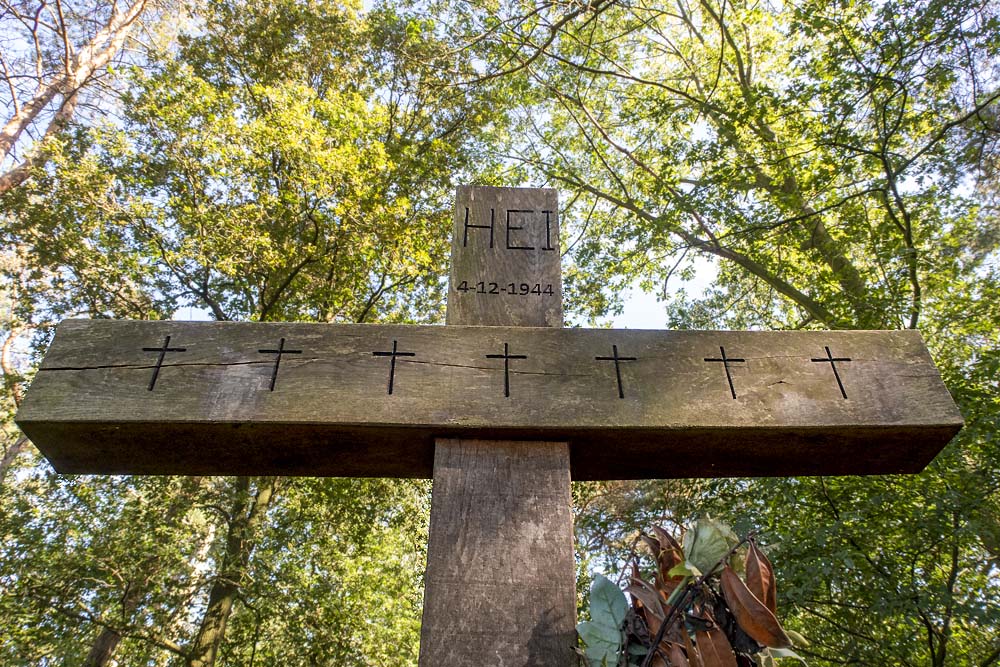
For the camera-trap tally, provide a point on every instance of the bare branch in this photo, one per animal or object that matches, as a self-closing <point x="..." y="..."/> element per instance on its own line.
<point x="78" y="70"/>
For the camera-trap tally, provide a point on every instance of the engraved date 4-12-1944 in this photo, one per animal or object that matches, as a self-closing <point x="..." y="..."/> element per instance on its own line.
<point x="516" y="289"/>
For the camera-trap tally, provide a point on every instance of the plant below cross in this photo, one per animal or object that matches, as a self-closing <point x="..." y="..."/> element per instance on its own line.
<point x="697" y="612"/>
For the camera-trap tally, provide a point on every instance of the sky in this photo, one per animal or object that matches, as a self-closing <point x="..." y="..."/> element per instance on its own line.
<point x="644" y="311"/>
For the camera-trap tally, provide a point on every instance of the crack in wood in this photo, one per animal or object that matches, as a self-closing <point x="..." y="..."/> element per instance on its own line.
<point x="889" y="367"/>
<point x="148" y="366"/>
<point x="297" y="362"/>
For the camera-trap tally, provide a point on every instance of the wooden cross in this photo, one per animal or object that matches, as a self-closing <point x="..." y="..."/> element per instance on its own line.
<point x="500" y="577"/>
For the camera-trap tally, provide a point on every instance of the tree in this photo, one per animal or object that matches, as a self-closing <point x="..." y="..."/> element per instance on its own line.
<point x="295" y="161"/>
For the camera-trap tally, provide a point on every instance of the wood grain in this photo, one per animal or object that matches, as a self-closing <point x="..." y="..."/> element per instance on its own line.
<point x="500" y="575"/>
<point x="89" y="408"/>
<point x="499" y="415"/>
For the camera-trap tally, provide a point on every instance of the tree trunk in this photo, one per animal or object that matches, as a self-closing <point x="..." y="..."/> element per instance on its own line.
<point x="103" y="648"/>
<point x="245" y="518"/>
<point x="10" y="455"/>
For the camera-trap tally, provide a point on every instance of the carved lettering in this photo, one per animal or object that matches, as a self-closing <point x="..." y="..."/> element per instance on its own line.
<point x="548" y="231"/>
<point x="465" y="238"/>
<point x="511" y="228"/>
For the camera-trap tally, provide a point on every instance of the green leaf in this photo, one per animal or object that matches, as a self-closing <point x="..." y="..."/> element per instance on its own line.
<point x="608" y="604"/>
<point x="602" y="634"/>
<point x="602" y="643"/>
<point x="684" y="569"/>
<point x="785" y="653"/>
<point x="797" y="638"/>
<point x="707" y="543"/>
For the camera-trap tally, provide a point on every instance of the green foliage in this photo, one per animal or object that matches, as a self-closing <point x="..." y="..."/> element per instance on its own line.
<point x="706" y="543"/>
<point x="602" y="634"/>
<point x="834" y="161"/>
<point x="336" y="577"/>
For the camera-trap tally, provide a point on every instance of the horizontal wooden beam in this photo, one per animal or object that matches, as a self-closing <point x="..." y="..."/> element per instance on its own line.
<point x="218" y="398"/>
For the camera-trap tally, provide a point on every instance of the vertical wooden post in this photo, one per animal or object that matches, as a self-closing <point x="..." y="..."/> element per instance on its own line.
<point x="500" y="584"/>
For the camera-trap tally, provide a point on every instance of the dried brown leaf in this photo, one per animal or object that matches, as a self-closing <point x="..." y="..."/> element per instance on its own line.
<point x="652" y="544"/>
<point x="636" y="603"/>
<point x="750" y="613"/>
<point x="669" y="555"/>
<point x="707" y="649"/>
<point x="723" y="649"/>
<point x="652" y="623"/>
<point x="694" y="657"/>
<point x="648" y="596"/>
<point x="666" y="539"/>
<point x="659" y="661"/>
<point x="677" y="657"/>
<point x="760" y="578"/>
<point x="667" y="588"/>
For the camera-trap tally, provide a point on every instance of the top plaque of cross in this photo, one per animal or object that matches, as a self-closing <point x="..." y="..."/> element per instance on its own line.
<point x="505" y="258"/>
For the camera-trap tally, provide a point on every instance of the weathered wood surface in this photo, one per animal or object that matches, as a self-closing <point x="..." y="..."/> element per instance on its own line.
<point x="505" y="268"/>
<point x="89" y="408"/>
<point x="500" y="573"/>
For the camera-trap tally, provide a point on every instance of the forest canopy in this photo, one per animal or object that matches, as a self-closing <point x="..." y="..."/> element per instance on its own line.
<point x="836" y="162"/>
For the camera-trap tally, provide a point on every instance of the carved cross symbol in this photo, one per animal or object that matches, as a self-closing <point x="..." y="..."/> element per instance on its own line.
<point x="159" y="360"/>
<point x="618" y="371"/>
<point x="832" y="360"/>
<point x="392" y="361"/>
<point x="506" y="356"/>
<point x="277" y="360"/>
<point x="725" y="362"/>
